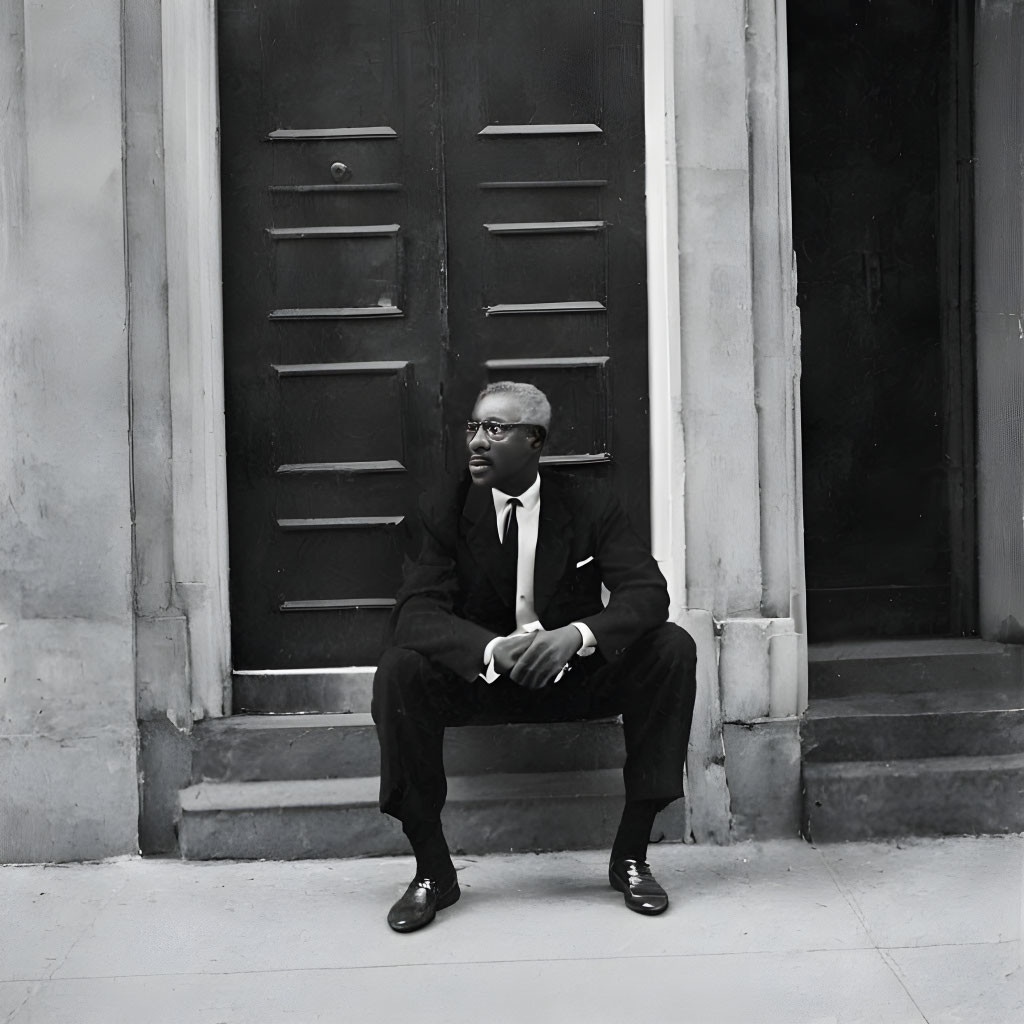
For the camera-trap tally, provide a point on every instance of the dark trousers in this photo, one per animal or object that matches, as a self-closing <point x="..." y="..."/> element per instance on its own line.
<point x="652" y="685"/>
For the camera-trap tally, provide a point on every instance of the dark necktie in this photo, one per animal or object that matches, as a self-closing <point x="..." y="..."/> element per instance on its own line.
<point x="510" y="538"/>
<point x="510" y="543"/>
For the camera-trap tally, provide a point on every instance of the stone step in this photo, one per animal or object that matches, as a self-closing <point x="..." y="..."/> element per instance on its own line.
<point x="339" y="817"/>
<point x="878" y="727"/>
<point x="843" y="669"/>
<point x="936" y="796"/>
<point x="306" y="691"/>
<point x="253" y="748"/>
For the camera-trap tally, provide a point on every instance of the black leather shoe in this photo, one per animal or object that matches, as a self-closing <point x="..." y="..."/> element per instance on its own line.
<point x="420" y="902"/>
<point x="638" y="886"/>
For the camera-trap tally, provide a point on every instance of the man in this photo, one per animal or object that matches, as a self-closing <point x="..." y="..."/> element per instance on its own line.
<point x="501" y="619"/>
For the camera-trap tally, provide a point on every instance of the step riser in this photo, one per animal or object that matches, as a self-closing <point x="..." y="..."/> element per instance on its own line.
<point x="883" y="737"/>
<point x="315" y="693"/>
<point x="882" y="805"/>
<point x="854" y="676"/>
<point x="560" y="824"/>
<point x="352" y="751"/>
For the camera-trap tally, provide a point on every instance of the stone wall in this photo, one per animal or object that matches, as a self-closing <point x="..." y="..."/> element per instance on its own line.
<point x="67" y="676"/>
<point x="739" y="404"/>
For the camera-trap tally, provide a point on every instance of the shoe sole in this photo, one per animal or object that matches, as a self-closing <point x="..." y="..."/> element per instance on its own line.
<point x="616" y="883"/>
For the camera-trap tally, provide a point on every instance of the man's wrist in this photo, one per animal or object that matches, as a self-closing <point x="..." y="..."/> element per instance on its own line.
<point x="588" y="642"/>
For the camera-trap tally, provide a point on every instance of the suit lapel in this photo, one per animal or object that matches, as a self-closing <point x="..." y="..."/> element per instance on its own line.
<point x="483" y="543"/>
<point x="554" y="542"/>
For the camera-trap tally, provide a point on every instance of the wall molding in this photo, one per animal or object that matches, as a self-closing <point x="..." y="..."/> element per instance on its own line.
<point x="664" y="332"/>
<point x="195" y="333"/>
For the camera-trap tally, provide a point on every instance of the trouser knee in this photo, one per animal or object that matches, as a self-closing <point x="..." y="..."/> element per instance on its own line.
<point x="672" y="642"/>
<point x="672" y="668"/>
<point x="399" y="673"/>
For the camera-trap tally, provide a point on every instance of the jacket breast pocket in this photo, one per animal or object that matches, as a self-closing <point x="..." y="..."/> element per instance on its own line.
<point x="584" y="577"/>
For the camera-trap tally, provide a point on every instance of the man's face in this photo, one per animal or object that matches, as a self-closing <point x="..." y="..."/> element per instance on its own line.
<point x="510" y="464"/>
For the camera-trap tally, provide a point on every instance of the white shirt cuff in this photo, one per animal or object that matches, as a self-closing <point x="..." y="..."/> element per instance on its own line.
<point x="489" y="673"/>
<point x="589" y="640"/>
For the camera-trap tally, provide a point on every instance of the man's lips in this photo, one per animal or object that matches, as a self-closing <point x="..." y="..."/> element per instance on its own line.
<point x="479" y="460"/>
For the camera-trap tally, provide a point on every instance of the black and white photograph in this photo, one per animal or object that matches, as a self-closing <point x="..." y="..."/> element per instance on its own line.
<point x="511" y="511"/>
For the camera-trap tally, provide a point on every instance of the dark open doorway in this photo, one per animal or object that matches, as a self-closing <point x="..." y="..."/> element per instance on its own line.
<point x="881" y="140"/>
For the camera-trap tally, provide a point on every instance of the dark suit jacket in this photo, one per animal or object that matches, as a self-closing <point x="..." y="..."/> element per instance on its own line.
<point x="458" y="594"/>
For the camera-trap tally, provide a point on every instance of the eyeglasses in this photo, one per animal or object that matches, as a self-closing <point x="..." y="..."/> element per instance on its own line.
<point x="494" y="430"/>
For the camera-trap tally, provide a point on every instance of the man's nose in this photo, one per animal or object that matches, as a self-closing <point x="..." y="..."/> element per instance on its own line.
<point x="479" y="441"/>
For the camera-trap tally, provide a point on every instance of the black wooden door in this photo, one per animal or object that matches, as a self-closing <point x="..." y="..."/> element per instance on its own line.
<point x="874" y="120"/>
<point x="545" y="196"/>
<point x="417" y="197"/>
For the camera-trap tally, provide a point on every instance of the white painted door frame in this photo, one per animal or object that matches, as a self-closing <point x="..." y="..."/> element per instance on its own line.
<point x="192" y="168"/>
<point x="664" y="338"/>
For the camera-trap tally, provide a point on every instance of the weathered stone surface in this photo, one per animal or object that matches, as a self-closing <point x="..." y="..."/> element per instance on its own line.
<point x="743" y="669"/>
<point x="763" y="767"/>
<point x="340" y="818"/>
<point x="69" y="798"/>
<point x="844" y="734"/>
<point x="913" y="738"/>
<point x="67" y="693"/>
<point x="161" y="645"/>
<point x="67" y="741"/>
<point x="306" y="786"/>
<point x="915" y="797"/>
<point x="707" y="793"/>
<point x="912" y="666"/>
<point x="165" y="760"/>
<point x="293" y="747"/>
<point x="65" y="677"/>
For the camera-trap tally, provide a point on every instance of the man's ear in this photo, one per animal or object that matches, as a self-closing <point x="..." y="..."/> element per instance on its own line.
<point x="538" y="438"/>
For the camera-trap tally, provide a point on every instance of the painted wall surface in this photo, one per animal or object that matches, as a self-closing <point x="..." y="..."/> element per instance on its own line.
<point x="67" y="694"/>
<point x="999" y="234"/>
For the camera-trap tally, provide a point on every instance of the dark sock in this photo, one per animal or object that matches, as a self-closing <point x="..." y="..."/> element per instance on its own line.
<point x="635" y="829"/>
<point x="431" y="849"/>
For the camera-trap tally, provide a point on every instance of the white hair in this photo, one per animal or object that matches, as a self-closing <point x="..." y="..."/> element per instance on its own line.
<point x="535" y="404"/>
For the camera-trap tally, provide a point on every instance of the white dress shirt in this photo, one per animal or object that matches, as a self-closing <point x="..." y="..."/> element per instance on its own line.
<point x="528" y="522"/>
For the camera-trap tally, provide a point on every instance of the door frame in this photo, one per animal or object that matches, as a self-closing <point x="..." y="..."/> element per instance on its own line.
<point x="195" y="329"/>
<point x="957" y="315"/>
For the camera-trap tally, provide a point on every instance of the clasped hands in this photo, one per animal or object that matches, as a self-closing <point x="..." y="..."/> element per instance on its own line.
<point x="534" y="659"/>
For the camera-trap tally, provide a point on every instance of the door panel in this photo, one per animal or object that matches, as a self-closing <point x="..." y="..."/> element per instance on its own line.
<point x="545" y="261"/>
<point x="542" y="62"/>
<point x="417" y="197"/>
<point x="323" y="58"/>
<point x="546" y="230"/>
<point x="332" y="236"/>
<point x="352" y="267"/>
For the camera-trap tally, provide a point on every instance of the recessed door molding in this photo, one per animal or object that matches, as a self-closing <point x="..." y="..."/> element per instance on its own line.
<point x="192" y="197"/>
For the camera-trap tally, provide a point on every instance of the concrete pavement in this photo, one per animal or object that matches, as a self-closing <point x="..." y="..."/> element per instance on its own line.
<point x="926" y="930"/>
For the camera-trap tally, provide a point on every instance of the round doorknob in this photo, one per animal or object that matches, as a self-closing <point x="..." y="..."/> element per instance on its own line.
<point x="340" y="171"/>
